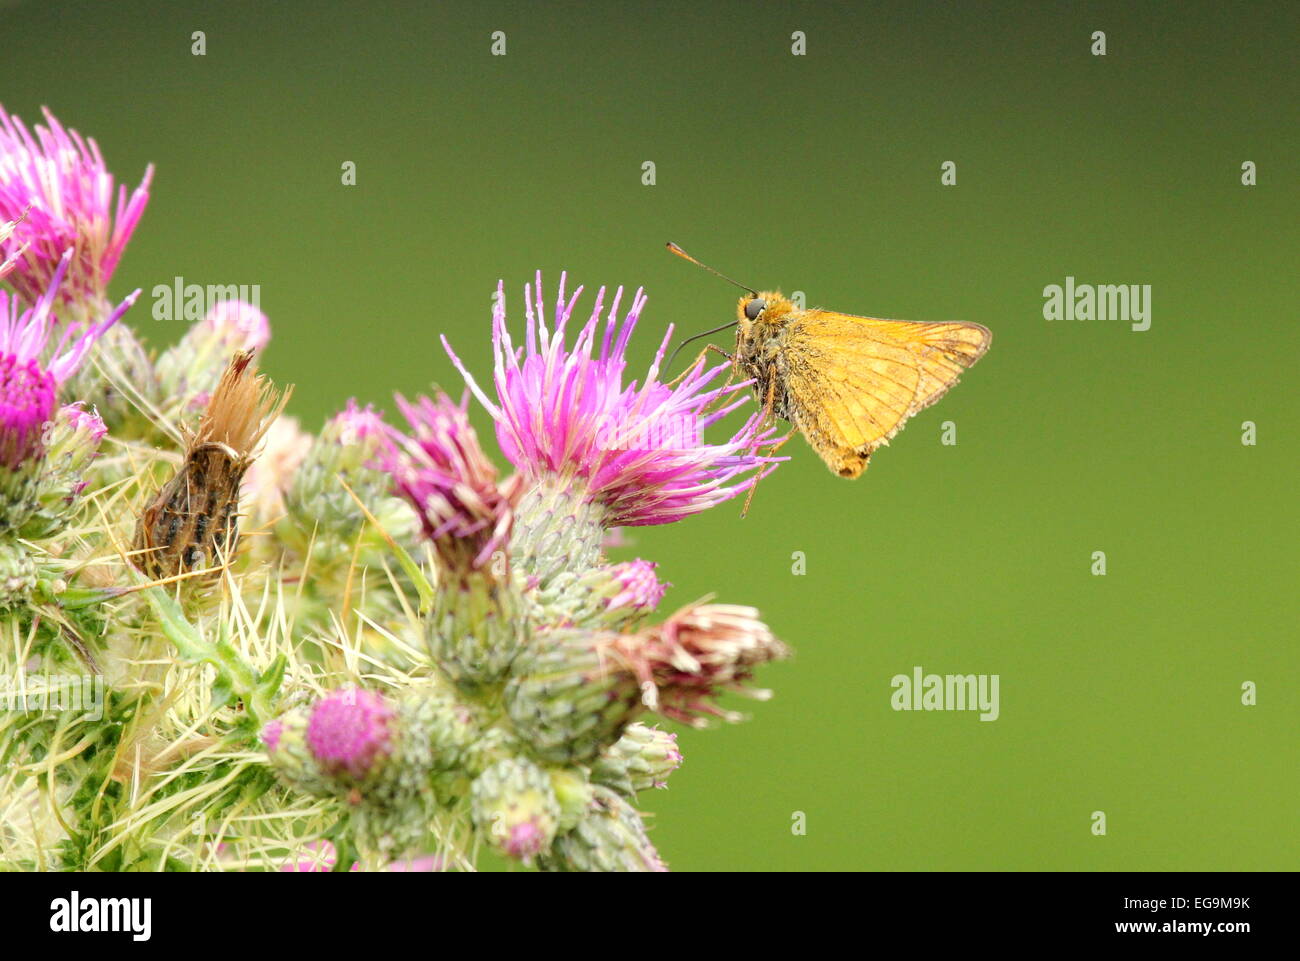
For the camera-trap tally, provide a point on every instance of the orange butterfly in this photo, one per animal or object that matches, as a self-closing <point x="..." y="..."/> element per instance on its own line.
<point x="848" y="383"/>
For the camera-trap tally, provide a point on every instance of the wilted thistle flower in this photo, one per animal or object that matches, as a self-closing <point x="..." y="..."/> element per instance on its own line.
<point x="30" y="379"/>
<point x="695" y="655"/>
<point x="55" y="185"/>
<point x="573" y="692"/>
<point x="565" y="417"/>
<point x="189" y="371"/>
<point x="193" y="521"/>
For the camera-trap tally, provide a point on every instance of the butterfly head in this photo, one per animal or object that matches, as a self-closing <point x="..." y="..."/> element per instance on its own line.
<point x="764" y="307"/>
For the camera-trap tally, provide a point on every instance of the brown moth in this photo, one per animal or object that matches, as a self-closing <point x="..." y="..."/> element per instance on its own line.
<point x="193" y="521"/>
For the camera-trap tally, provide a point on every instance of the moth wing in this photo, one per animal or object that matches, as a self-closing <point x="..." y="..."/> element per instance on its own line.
<point x="856" y="380"/>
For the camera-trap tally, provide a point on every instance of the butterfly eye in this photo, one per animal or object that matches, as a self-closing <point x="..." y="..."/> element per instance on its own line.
<point x="755" y="307"/>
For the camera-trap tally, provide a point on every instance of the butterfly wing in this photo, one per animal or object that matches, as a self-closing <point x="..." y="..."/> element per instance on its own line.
<point x="854" y="381"/>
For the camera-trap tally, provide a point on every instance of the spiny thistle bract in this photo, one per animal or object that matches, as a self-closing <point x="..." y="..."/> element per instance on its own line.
<point x="397" y="658"/>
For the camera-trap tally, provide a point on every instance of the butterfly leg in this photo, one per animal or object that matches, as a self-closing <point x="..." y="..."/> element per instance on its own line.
<point x="699" y="359"/>
<point x="767" y="419"/>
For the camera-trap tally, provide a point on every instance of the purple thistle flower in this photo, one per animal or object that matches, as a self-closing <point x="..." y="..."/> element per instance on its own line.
<point x="29" y="385"/>
<point x="564" y="411"/>
<point x="56" y="185"/>
<point x="442" y="471"/>
<point x="348" y="731"/>
<point x="640" y="588"/>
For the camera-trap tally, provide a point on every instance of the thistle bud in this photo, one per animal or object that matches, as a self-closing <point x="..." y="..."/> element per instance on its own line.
<point x="639" y="760"/>
<point x="610" y="837"/>
<point x="515" y="808"/>
<point x="565" y="699"/>
<point x="350" y="734"/>
<point x="346" y="451"/>
<point x="286" y="747"/>
<point x="73" y="439"/>
<point x="614" y="597"/>
<point x="572" y="692"/>
<point x="17" y="574"/>
<point x="379" y="757"/>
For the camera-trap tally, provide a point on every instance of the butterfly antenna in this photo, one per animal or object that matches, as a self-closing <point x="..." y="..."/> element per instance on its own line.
<point x="678" y="349"/>
<point x="685" y="256"/>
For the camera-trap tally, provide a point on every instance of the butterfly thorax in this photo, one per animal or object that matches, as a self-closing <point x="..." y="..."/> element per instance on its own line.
<point x="760" y="343"/>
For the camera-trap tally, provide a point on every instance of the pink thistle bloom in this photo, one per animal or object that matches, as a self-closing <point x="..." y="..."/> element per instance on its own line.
<point x="29" y="384"/>
<point x="349" y="731"/>
<point x="236" y="325"/>
<point x="640" y="588"/>
<point x="86" y="423"/>
<point x="356" y="426"/>
<point x="442" y="471"/>
<point x="565" y="411"/>
<point x="56" y="185"/>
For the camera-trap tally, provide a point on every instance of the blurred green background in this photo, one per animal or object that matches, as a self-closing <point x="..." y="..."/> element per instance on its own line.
<point x="821" y="173"/>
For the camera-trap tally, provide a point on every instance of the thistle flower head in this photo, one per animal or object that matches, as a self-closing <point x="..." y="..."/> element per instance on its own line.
<point x="638" y="448"/>
<point x="348" y="731"/>
<point x="698" y="653"/>
<point x="442" y="471"/>
<point x="30" y="377"/>
<point x="55" y="185"/>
